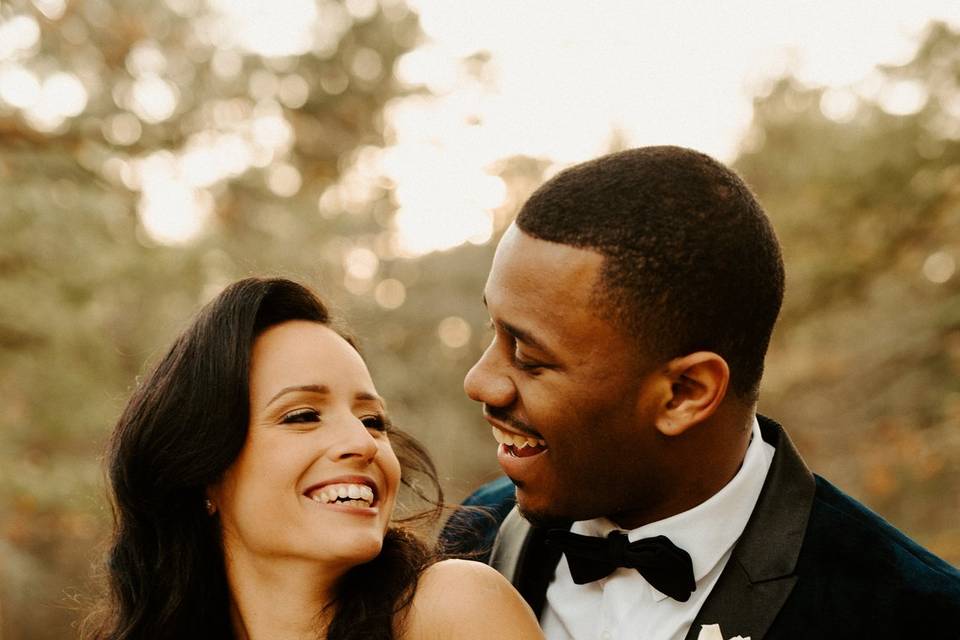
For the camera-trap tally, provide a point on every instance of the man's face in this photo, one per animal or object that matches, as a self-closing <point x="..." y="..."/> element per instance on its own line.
<point x="564" y="381"/>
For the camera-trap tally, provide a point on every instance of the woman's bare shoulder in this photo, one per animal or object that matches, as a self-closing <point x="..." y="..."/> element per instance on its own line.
<point x="465" y="600"/>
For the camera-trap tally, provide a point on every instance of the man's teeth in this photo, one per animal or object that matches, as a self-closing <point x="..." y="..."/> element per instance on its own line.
<point x="344" y="493"/>
<point x="517" y="441"/>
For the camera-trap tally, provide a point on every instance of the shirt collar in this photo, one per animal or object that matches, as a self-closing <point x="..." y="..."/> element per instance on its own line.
<point x="710" y="529"/>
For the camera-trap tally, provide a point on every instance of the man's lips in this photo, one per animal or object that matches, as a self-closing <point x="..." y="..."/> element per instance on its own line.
<point x="517" y="445"/>
<point x="517" y="440"/>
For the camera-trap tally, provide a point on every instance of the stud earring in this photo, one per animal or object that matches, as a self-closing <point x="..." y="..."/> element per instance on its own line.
<point x="208" y="503"/>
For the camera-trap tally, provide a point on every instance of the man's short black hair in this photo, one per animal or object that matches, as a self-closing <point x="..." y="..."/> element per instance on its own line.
<point x="691" y="260"/>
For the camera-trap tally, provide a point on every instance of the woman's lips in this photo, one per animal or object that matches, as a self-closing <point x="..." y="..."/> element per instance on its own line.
<point x="347" y="491"/>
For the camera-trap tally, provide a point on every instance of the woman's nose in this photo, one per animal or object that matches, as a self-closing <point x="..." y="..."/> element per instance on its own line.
<point x="354" y="440"/>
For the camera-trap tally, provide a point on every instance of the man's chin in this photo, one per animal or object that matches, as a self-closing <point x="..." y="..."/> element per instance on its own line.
<point x="543" y="518"/>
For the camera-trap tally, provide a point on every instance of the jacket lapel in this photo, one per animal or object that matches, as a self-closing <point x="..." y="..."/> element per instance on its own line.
<point x="760" y="573"/>
<point x="519" y="553"/>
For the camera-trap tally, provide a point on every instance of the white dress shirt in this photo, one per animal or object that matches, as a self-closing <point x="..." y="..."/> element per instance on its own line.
<point x="624" y="605"/>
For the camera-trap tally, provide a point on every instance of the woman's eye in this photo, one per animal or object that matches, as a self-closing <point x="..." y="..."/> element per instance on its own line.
<point x="378" y="423"/>
<point x="301" y="416"/>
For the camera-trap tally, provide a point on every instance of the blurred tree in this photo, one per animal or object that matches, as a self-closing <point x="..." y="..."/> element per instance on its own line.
<point x="150" y="152"/>
<point x="862" y="185"/>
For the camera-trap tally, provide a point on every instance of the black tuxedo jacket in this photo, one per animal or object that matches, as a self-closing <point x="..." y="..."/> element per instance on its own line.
<point x="812" y="562"/>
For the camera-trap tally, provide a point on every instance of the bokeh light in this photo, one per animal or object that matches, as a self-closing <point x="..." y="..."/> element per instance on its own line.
<point x="454" y="332"/>
<point x="19" y="87"/>
<point x="903" y="98"/>
<point x="361" y="263"/>
<point x="390" y="293"/>
<point x="939" y="267"/>
<point x="18" y="35"/>
<point x="153" y="99"/>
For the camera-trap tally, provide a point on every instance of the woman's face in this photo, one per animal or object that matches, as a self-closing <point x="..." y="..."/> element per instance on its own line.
<point x="316" y="478"/>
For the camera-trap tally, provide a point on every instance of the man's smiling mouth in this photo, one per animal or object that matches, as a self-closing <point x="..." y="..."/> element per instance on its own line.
<point x="517" y="445"/>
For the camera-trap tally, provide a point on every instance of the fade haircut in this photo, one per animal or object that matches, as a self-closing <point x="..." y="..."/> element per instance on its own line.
<point x="691" y="262"/>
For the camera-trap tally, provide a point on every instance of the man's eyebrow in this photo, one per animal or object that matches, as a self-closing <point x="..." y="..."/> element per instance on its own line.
<point x="525" y="337"/>
<point x="521" y="335"/>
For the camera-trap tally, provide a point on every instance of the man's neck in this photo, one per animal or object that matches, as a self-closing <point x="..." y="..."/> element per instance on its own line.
<point x="707" y="459"/>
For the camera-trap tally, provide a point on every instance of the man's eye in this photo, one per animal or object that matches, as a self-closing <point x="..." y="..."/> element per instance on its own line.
<point x="524" y="364"/>
<point x="301" y="416"/>
<point x="378" y="423"/>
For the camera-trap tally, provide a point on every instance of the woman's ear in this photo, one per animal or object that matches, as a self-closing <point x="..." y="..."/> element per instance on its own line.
<point x="697" y="386"/>
<point x="210" y="500"/>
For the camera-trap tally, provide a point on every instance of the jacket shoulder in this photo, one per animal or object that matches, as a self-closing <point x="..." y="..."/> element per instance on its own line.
<point x="834" y="510"/>
<point x="862" y="574"/>
<point x="470" y="531"/>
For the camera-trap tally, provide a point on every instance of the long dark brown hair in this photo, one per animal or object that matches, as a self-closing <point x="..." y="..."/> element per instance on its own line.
<point x="183" y="427"/>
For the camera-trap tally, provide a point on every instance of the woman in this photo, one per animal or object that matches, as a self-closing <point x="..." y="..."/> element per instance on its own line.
<point x="254" y="476"/>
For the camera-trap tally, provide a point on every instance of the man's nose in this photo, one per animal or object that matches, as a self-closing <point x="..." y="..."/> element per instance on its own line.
<point x="488" y="381"/>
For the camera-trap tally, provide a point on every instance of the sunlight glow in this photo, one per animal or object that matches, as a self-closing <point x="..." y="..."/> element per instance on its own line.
<point x="170" y="211"/>
<point x="446" y="205"/>
<point x="666" y="73"/>
<point x="276" y="28"/>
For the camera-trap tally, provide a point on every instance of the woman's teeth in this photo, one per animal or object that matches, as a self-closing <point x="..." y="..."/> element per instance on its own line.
<point x="516" y="441"/>
<point x="344" y="493"/>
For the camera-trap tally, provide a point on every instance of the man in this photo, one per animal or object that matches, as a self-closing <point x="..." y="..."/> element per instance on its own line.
<point x="632" y="303"/>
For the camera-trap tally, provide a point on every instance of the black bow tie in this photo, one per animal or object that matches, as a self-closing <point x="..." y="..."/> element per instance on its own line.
<point x="663" y="564"/>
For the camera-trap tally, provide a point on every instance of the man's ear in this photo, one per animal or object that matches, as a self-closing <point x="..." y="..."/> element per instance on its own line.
<point x="697" y="386"/>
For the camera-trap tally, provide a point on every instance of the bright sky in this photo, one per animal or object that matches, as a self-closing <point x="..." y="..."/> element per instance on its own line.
<point x="565" y="76"/>
<point x="561" y="80"/>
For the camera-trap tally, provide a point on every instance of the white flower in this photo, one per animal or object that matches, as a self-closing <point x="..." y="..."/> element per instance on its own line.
<point x="712" y="632"/>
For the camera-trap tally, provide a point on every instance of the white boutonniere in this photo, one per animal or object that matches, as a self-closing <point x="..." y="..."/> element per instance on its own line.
<point x="712" y="632"/>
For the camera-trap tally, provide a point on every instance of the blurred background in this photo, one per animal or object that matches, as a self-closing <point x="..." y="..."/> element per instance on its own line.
<point x="153" y="151"/>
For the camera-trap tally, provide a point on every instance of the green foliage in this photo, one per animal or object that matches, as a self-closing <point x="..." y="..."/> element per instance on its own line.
<point x="865" y="365"/>
<point x="87" y="297"/>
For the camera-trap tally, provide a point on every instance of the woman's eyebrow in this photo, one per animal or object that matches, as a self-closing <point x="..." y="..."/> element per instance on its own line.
<point x="372" y="397"/>
<point x="313" y="388"/>
<point x="324" y="390"/>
